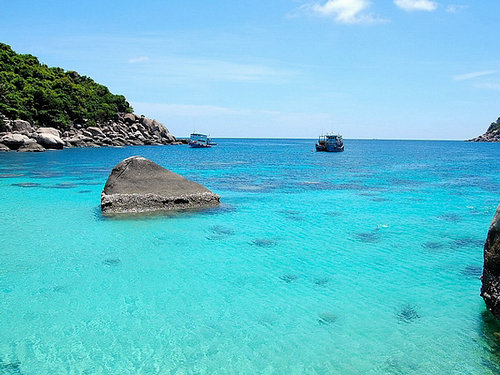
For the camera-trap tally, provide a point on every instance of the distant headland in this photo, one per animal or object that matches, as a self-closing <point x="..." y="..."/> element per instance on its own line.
<point x="491" y="135"/>
<point x="44" y="107"/>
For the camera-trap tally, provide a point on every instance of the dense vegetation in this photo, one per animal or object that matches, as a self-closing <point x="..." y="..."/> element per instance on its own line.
<point x="51" y="96"/>
<point x="494" y="126"/>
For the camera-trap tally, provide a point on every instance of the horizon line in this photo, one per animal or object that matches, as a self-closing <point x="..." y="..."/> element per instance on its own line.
<point x="352" y="139"/>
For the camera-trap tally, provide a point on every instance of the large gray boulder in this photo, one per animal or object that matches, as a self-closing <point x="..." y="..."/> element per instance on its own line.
<point x="78" y="140"/>
<point x="3" y="148"/>
<point x="490" y="289"/>
<point x="49" y="140"/>
<point x="31" y="147"/>
<point x="52" y="131"/>
<point x="21" y="125"/>
<point x="130" y="118"/>
<point x="139" y="185"/>
<point x="146" y="121"/>
<point x="14" y="141"/>
<point x="95" y="131"/>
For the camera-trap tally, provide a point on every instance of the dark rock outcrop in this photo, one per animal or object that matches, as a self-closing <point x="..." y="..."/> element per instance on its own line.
<point x="21" y="125"/>
<point x="31" y="147"/>
<point x="490" y="289"/>
<point x="125" y="130"/>
<point x="139" y="185"/>
<point x="130" y="118"/>
<point x="491" y="135"/>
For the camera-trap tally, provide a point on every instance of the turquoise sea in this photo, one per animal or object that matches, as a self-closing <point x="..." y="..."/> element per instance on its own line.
<point x="361" y="262"/>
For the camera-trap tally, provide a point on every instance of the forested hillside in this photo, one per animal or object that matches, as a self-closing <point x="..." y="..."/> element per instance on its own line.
<point x="47" y="96"/>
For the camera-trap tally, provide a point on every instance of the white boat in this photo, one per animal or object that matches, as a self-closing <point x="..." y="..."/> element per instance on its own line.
<point x="330" y="143"/>
<point x="198" y="140"/>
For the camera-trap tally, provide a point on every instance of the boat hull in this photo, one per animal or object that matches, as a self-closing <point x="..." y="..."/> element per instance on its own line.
<point x="198" y="145"/>
<point x="198" y="140"/>
<point x="329" y="148"/>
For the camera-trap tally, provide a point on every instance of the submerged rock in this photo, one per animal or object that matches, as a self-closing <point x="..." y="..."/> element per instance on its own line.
<point x="111" y="262"/>
<point x="139" y="185"/>
<point x="321" y="281"/>
<point x="490" y="289"/>
<point x="288" y="278"/>
<point x="327" y="318"/>
<point x="472" y="271"/>
<point x="264" y="242"/>
<point x="407" y="314"/>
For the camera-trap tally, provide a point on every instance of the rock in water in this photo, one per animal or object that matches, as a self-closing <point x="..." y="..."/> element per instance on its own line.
<point x="490" y="290"/>
<point x="139" y="185"/>
<point x="31" y="147"/>
<point x="14" y="141"/>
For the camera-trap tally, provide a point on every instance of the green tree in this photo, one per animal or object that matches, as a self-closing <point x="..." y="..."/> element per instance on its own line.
<point x="494" y="126"/>
<point x="48" y="96"/>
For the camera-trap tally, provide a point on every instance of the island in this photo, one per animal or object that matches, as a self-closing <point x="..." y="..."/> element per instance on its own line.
<point x="492" y="134"/>
<point x="45" y="107"/>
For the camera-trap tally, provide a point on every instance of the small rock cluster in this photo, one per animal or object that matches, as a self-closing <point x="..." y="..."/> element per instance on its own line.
<point x="127" y="129"/>
<point x="493" y="136"/>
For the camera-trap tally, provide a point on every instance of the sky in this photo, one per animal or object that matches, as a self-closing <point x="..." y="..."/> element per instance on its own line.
<point x="386" y="69"/>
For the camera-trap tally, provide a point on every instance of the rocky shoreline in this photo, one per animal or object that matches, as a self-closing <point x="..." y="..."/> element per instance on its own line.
<point x="493" y="136"/>
<point x="126" y="129"/>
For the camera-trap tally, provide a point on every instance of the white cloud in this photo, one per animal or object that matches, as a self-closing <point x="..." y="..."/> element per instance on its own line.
<point x="467" y="76"/>
<point x="454" y="8"/>
<point x="413" y="5"/>
<point x="183" y="69"/>
<point x="345" y="11"/>
<point x="189" y="110"/>
<point x="488" y="85"/>
<point x="138" y="59"/>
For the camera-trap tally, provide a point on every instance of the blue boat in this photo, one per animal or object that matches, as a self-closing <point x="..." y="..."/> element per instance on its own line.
<point x="198" y="140"/>
<point x="330" y="143"/>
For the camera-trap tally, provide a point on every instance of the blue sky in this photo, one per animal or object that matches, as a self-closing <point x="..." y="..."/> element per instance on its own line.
<point x="404" y="69"/>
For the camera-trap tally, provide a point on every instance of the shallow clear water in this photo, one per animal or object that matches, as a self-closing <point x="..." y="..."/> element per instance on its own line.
<point x="366" y="261"/>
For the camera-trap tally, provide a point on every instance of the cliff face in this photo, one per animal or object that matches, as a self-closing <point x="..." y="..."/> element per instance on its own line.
<point x="490" y="289"/>
<point x="491" y="135"/>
